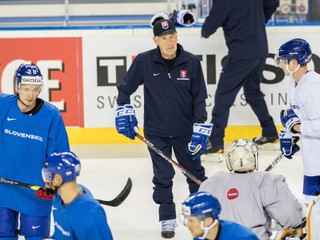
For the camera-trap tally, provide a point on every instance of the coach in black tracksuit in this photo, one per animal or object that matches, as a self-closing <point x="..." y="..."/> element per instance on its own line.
<point x="174" y="99"/>
<point x="243" y="23"/>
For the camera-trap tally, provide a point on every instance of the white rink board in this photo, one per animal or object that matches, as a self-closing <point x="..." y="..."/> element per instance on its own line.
<point x="117" y="47"/>
<point x="275" y="94"/>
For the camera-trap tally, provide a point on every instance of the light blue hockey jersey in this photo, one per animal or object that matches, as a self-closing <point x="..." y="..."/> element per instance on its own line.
<point x="25" y="143"/>
<point x="82" y="219"/>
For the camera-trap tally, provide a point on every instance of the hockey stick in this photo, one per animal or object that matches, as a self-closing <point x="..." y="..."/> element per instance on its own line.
<point x="280" y="156"/>
<point x="174" y="163"/>
<point x="274" y="162"/>
<point x="113" y="203"/>
<point x="121" y="196"/>
<point x="314" y="202"/>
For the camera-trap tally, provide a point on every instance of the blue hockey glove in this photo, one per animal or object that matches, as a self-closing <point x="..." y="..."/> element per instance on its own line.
<point x="289" y="119"/>
<point x="288" y="144"/>
<point x="199" y="139"/>
<point x="126" y="120"/>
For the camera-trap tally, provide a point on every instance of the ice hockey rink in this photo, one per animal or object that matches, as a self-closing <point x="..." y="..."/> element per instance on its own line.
<point x="106" y="168"/>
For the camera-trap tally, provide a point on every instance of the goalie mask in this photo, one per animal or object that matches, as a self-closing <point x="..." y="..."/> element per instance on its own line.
<point x="66" y="164"/>
<point x="242" y="156"/>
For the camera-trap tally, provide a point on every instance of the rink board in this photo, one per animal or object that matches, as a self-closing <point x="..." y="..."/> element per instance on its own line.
<point x="82" y="66"/>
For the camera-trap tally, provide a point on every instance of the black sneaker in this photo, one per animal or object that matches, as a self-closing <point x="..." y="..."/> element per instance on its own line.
<point x="168" y="227"/>
<point x="260" y="140"/>
<point x="167" y="234"/>
<point x="214" y="149"/>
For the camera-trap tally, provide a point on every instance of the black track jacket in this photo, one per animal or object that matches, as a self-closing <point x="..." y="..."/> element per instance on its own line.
<point x="173" y="100"/>
<point x="243" y="23"/>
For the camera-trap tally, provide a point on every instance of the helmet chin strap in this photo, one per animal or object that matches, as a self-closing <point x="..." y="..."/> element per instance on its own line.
<point x="292" y="72"/>
<point x="207" y="229"/>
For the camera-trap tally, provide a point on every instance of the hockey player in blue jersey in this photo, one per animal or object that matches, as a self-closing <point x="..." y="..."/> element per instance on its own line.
<point x="200" y="213"/>
<point x="31" y="129"/>
<point x="77" y="215"/>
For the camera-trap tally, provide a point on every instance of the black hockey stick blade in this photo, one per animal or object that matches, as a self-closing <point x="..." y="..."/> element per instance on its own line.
<point x="174" y="163"/>
<point x="113" y="203"/>
<point x="121" y="197"/>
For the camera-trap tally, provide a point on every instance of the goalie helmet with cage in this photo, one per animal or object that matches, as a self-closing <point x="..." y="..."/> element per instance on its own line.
<point x="242" y="156"/>
<point x="28" y="74"/>
<point x="297" y="48"/>
<point x="66" y="164"/>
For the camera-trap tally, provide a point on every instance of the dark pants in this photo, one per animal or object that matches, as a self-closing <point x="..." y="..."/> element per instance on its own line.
<point x="237" y="73"/>
<point x="164" y="172"/>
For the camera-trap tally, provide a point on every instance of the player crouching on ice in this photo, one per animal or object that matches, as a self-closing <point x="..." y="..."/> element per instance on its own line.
<point x="253" y="198"/>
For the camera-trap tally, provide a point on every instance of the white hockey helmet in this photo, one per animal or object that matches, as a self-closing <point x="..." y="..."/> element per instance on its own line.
<point x="242" y="156"/>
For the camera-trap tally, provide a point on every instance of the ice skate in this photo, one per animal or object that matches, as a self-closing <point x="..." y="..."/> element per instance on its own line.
<point x="213" y="154"/>
<point x="267" y="143"/>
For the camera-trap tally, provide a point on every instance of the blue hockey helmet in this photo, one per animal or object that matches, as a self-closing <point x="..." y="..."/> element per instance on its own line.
<point x="201" y="204"/>
<point x="298" y="49"/>
<point x="28" y="74"/>
<point x="66" y="164"/>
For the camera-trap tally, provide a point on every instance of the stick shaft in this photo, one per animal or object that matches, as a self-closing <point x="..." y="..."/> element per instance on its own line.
<point x="114" y="203"/>
<point x="174" y="163"/>
<point x="274" y="162"/>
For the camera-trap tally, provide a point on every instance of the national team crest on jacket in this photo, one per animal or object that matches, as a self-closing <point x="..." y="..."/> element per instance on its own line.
<point x="165" y="25"/>
<point x="183" y="75"/>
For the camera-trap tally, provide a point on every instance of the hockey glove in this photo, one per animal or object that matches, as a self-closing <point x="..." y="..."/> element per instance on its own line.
<point x="288" y="144"/>
<point x="126" y="120"/>
<point x="158" y="17"/>
<point x="199" y="139"/>
<point x="45" y="193"/>
<point x="183" y="17"/>
<point x="289" y="119"/>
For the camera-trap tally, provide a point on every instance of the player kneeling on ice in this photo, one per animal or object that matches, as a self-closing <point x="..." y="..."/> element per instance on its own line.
<point x="77" y="215"/>
<point x="200" y="214"/>
<point x="253" y="198"/>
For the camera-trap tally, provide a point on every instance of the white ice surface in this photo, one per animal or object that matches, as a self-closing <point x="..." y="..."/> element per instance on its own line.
<point x="106" y="168"/>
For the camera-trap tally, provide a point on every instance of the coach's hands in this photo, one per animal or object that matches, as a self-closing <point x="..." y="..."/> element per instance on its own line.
<point x="126" y="120"/>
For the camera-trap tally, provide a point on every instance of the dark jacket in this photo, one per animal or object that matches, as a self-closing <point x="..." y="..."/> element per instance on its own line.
<point x="173" y="100"/>
<point x="243" y="23"/>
